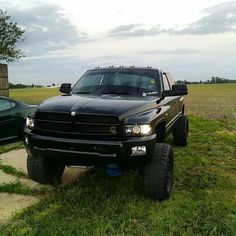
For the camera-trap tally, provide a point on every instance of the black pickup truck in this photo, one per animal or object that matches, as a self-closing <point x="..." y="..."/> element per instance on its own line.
<point x="112" y="117"/>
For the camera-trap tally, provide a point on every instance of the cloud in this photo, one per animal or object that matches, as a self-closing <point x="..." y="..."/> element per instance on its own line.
<point x="134" y="30"/>
<point x="124" y="28"/>
<point x="50" y="70"/>
<point x="46" y="29"/>
<point x="218" y="19"/>
<point x="180" y="51"/>
<point x="57" y="51"/>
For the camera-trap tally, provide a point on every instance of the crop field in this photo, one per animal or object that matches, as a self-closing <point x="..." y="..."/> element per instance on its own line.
<point x="210" y="101"/>
<point x="204" y="196"/>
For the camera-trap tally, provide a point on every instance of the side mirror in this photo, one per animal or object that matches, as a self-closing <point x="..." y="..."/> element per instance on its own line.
<point x="65" y="88"/>
<point x="177" y="90"/>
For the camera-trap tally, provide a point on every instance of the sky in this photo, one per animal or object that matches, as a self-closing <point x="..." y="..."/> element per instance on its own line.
<point x="194" y="40"/>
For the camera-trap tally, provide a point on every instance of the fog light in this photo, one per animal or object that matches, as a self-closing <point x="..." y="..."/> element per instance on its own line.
<point x="139" y="150"/>
<point x="26" y="140"/>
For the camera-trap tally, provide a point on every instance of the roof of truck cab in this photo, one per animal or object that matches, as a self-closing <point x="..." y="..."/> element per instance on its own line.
<point x="125" y="68"/>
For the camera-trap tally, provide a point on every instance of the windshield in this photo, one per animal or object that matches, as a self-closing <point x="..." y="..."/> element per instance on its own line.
<point x="127" y="82"/>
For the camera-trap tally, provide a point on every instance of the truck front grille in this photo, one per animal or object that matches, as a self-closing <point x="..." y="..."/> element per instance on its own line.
<point x="83" y="126"/>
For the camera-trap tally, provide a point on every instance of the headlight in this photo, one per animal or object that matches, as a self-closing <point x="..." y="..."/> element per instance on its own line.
<point x="138" y="130"/>
<point x="29" y="123"/>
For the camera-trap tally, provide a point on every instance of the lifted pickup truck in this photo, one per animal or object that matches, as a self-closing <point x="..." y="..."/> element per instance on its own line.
<point x="112" y="117"/>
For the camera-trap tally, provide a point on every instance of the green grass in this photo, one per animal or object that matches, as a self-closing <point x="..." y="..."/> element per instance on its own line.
<point x="16" y="187"/>
<point x="20" y="188"/>
<point x="33" y="95"/>
<point x="7" y="146"/>
<point x="203" y="200"/>
<point x="12" y="171"/>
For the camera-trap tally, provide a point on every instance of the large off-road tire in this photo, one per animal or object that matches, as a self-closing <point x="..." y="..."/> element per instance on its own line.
<point x="158" y="174"/>
<point x="44" y="171"/>
<point x="180" y="131"/>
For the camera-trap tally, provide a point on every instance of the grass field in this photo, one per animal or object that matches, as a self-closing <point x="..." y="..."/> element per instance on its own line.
<point x="203" y="201"/>
<point x="33" y="95"/>
<point x="211" y="101"/>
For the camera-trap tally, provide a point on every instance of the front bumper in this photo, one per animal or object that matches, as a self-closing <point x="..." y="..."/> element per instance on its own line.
<point x="89" y="152"/>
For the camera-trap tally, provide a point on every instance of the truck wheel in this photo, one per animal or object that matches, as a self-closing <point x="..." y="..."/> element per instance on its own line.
<point x="158" y="174"/>
<point x="44" y="171"/>
<point x="180" y="131"/>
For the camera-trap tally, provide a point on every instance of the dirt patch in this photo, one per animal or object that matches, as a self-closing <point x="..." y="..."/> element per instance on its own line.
<point x="13" y="203"/>
<point x="16" y="158"/>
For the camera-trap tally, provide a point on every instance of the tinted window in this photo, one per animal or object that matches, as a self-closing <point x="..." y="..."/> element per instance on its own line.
<point x="133" y="82"/>
<point x="4" y="105"/>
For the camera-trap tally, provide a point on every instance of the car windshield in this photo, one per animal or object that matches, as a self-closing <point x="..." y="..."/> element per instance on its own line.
<point x="127" y="82"/>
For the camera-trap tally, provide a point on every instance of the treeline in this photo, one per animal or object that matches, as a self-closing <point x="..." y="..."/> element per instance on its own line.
<point x="18" y="86"/>
<point x="219" y="80"/>
<point x="213" y="80"/>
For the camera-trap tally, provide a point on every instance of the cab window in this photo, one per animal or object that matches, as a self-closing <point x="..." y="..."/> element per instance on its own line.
<point x="166" y="82"/>
<point x="170" y="79"/>
<point x="4" y="105"/>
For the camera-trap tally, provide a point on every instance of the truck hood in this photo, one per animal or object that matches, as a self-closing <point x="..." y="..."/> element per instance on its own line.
<point x="120" y="106"/>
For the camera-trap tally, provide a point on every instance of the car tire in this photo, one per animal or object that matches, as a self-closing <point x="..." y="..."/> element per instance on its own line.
<point x="158" y="174"/>
<point x="44" y="171"/>
<point x="180" y="131"/>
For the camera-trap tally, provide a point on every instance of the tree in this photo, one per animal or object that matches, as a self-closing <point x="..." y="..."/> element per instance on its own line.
<point x="10" y="35"/>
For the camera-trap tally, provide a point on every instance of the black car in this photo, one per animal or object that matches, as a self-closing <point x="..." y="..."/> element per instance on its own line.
<point x="13" y="117"/>
<point x="112" y="117"/>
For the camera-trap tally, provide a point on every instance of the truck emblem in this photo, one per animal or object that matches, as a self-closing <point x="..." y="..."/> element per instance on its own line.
<point x="113" y="130"/>
<point x="73" y="113"/>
